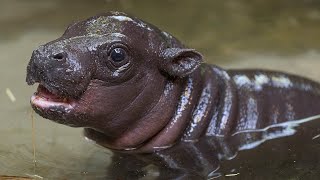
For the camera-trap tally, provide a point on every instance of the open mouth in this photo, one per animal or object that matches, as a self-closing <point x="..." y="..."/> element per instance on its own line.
<point x="44" y="99"/>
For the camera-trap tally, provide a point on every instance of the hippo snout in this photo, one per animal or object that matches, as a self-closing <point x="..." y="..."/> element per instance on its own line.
<point x="40" y="60"/>
<point x="61" y="71"/>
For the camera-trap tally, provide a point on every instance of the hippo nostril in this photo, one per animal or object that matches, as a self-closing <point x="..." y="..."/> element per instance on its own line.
<point x="59" y="56"/>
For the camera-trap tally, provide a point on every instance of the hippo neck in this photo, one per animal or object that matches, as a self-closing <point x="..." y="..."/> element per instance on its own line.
<point x="206" y="107"/>
<point x="165" y="122"/>
<point x="183" y="112"/>
<point x="179" y="117"/>
<point x="193" y="113"/>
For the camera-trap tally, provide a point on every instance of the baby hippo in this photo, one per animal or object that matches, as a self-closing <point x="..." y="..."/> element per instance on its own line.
<point x="137" y="89"/>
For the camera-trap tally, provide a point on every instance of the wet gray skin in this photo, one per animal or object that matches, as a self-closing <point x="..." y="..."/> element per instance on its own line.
<point x="136" y="89"/>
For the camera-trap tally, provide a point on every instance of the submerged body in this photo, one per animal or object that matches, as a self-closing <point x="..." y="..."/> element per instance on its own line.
<point x="137" y="89"/>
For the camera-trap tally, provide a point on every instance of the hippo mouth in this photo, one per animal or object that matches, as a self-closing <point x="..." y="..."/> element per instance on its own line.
<point x="43" y="99"/>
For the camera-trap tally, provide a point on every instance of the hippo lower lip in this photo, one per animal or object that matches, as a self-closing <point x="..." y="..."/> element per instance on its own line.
<point x="43" y="99"/>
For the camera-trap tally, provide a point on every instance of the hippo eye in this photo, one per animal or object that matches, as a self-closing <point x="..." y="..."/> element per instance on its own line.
<point x="118" y="54"/>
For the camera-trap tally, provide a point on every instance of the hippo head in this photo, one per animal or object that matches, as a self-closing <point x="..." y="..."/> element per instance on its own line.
<point x="105" y="72"/>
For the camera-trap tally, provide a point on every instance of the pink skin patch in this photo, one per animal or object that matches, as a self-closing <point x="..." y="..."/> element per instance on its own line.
<point x="43" y="99"/>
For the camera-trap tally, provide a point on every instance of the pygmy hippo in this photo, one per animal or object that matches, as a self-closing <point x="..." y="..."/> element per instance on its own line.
<point x="137" y="89"/>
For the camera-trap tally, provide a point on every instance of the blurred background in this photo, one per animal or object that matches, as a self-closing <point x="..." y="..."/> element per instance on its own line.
<point x="271" y="34"/>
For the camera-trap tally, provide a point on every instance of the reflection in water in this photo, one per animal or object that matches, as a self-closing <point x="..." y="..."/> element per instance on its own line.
<point x="290" y="151"/>
<point x="253" y="138"/>
<point x="248" y="154"/>
<point x="275" y="34"/>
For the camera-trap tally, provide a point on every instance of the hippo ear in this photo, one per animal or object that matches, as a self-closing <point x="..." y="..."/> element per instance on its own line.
<point x="180" y="62"/>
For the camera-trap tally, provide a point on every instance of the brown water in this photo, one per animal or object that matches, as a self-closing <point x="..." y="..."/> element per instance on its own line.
<point x="282" y="35"/>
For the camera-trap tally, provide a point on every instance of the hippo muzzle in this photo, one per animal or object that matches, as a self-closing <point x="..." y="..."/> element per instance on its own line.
<point x="63" y="76"/>
<point x="61" y="71"/>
